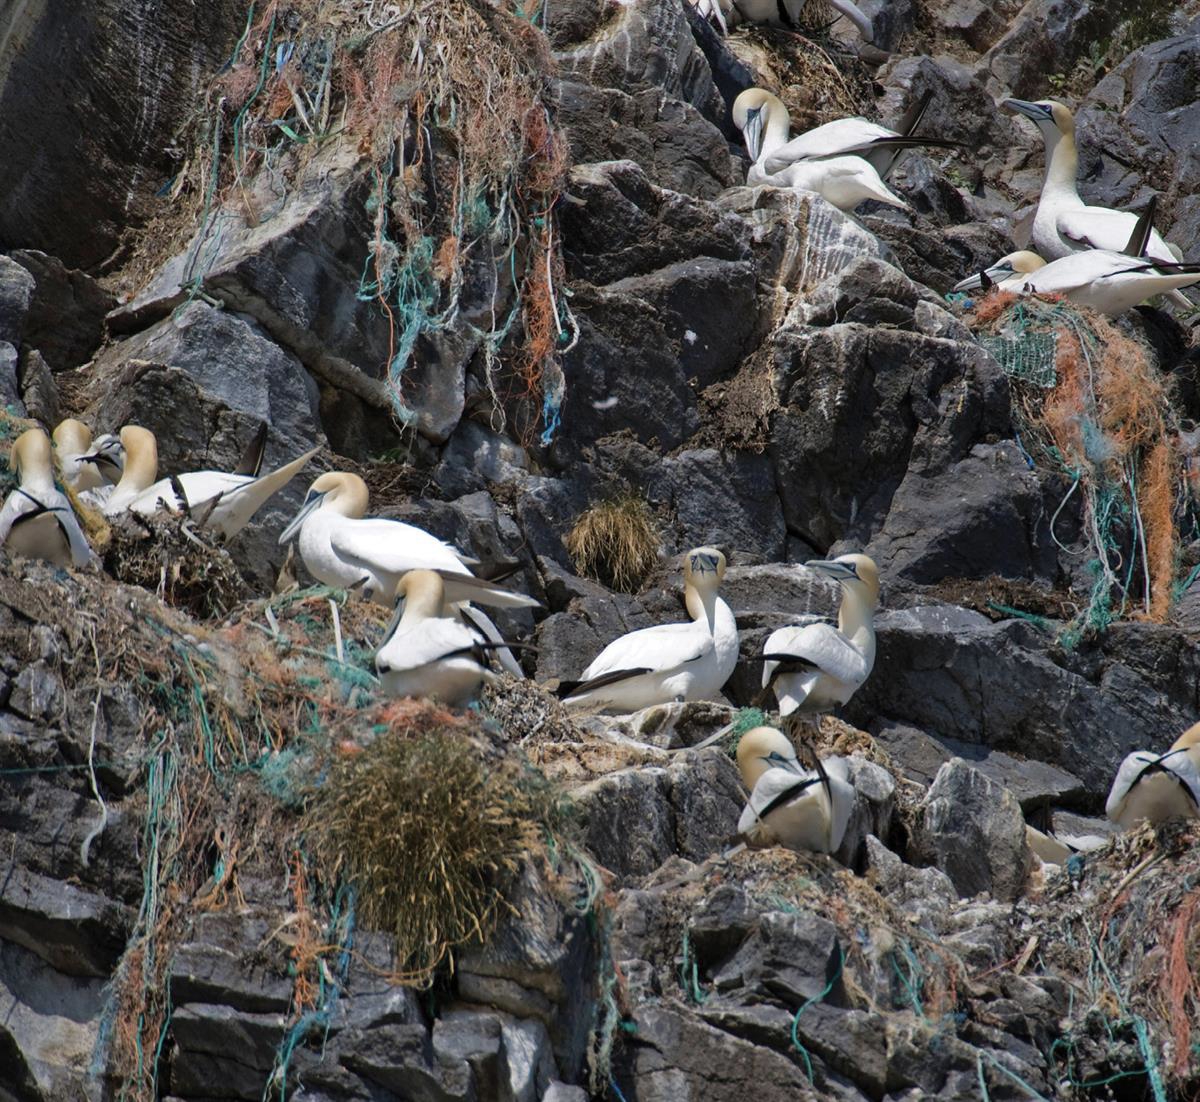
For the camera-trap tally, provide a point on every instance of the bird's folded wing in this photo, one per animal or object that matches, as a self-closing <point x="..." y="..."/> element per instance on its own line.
<point x="775" y="788"/>
<point x="823" y="646"/>
<point x="1183" y="766"/>
<point x="659" y="649"/>
<point x="392" y="547"/>
<point x="831" y="140"/>
<point x="18" y="504"/>
<point x="1098" y="228"/>
<point x="466" y="587"/>
<point x="425" y="642"/>
<point x="1131" y="771"/>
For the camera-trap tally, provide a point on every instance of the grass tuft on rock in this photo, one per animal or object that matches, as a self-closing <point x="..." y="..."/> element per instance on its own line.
<point x="431" y="824"/>
<point x="615" y="543"/>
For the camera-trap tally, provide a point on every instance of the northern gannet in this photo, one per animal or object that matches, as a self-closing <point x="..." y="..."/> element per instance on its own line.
<point x="1064" y="223"/>
<point x="816" y="667"/>
<point x="846" y="160"/>
<point x="426" y="652"/>
<point x="790" y="805"/>
<point x="72" y="443"/>
<point x="342" y="548"/>
<point x="220" y="501"/>
<point x="668" y="662"/>
<point x="1107" y="281"/>
<point x="1006" y="274"/>
<point x="36" y="520"/>
<point x="1157" y="787"/>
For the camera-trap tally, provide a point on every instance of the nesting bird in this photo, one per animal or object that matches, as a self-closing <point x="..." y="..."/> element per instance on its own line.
<point x="341" y="547"/>
<point x="783" y="13"/>
<point x="1157" y="787"/>
<point x="1106" y="281"/>
<point x="83" y="463"/>
<point x="790" y="805"/>
<point x="218" y="500"/>
<point x="669" y="662"/>
<point x="1064" y="223"/>
<point x="846" y="161"/>
<point x="427" y="652"/>
<point x="36" y="520"/>
<point x="815" y="667"/>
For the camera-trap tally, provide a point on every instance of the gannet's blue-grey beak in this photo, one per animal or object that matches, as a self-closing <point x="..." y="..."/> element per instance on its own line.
<point x="777" y="761"/>
<point x="997" y="273"/>
<point x="311" y="503"/>
<point x="1038" y="112"/>
<point x="753" y="132"/>
<point x="840" y="571"/>
<point x="704" y="564"/>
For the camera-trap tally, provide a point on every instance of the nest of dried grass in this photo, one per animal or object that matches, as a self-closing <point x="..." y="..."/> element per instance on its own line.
<point x="431" y="823"/>
<point x="615" y="543"/>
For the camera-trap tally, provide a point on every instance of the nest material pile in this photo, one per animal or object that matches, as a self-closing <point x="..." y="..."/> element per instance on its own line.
<point x="1125" y="930"/>
<point x="447" y="102"/>
<point x="1089" y="402"/>
<point x="178" y="562"/>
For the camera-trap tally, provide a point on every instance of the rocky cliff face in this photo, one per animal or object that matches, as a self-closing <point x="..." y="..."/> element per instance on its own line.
<point x="207" y="223"/>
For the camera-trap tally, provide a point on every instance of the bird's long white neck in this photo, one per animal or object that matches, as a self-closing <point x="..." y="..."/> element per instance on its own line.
<point x="856" y="619"/>
<point x="776" y="132"/>
<point x="702" y="605"/>
<point x="422" y="603"/>
<point x="1062" y="166"/>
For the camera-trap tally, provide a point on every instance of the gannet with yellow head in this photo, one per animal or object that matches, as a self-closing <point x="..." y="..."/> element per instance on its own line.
<point x="342" y="547"/>
<point x="1006" y="274"/>
<point x="790" y="805"/>
<point x="427" y="652"/>
<point x="221" y="502"/>
<point x="1064" y="223"/>
<point x="1157" y="787"/>
<point x="815" y="667"/>
<point x="36" y="520"/>
<point x="668" y="662"/>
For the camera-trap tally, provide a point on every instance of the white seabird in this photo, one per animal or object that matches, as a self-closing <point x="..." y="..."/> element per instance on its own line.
<point x="1064" y="223"/>
<point x="217" y="500"/>
<point x="815" y="667"/>
<point x="1106" y="281"/>
<point x="1158" y="787"/>
<point x="427" y="652"/>
<point x="72" y="451"/>
<point x="790" y="805"/>
<point x="343" y="548"/>
<point x="846" y="160"/>
<point x="668" y="662"/>
<point x="36" y="520"/>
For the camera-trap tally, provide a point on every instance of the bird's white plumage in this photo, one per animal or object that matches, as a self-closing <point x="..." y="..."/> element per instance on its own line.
<point x="39" y="524"/>
<point x="857" y="136"/>
<point x="843" y="181"/>
<point x="1156" y="787"/>
<point x="384" y="550"/>
<point x="811" y="819"/>
<point x="431" y="657"/>
<point x="1110" y="282"/>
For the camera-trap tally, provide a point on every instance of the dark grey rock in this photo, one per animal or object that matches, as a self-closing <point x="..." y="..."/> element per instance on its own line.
<point x="142" y="68"/>
<point x="39" y="394"/>
<point x="633" y="820"/>
<point x="472" y="1044"/>
<point x="949" y="672"/>
<point x="676" y="1058"/>
<point x="792" y="957"/>
<point x="10" y="388"/>
<point x="219" y="1044"/>
<point x="545" y="948"/>
<point x="37" y="692"/>
<point x="874" y="808"/>
<point x="925" y="894"/>
<point x="16" y="293"/>
<point x="230" y="960"/>
<point x="49" y="1029"/>
<point x="77" y="932"/>
<point x="65" y="321"/>
<point x="973" y="830"/>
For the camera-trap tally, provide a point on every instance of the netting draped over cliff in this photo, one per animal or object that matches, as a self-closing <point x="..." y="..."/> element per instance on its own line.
<point x="1088" y="401"/>
<point x="447" y="101"/>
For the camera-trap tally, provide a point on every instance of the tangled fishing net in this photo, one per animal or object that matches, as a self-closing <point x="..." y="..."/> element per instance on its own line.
<point x="447" y="104"/>
<point x="1089" y="402"/>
